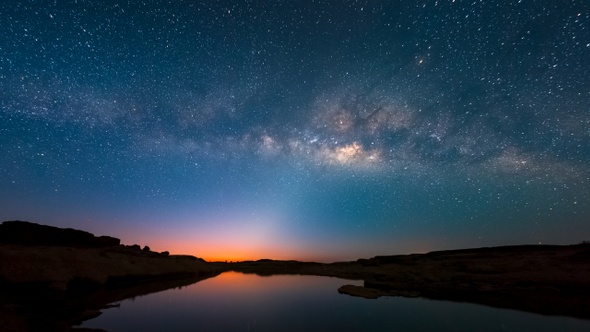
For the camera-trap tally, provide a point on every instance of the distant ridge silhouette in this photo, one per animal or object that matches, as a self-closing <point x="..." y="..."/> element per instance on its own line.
<point x="28" y="233"/>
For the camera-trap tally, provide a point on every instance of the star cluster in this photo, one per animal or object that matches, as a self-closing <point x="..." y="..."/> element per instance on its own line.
<point x="246" y="128"/>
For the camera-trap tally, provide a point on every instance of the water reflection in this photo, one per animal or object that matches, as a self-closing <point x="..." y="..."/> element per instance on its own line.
<point x="240" y="302"/>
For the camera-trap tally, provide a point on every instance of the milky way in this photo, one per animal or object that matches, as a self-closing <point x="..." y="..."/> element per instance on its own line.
<point x="299" y="129"/>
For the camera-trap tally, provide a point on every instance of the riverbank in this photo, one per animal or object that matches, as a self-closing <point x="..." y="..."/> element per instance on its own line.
<point x="72" y="260"/>
<point x="544" y="279"/>
<point x="52" y="279"/>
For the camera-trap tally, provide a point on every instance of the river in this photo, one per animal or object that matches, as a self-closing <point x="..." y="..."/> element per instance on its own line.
<point x="244" y="302"/>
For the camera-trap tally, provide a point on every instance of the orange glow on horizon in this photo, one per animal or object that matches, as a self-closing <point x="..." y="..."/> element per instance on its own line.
<point x="236" y="246"/>
<point x="236" y="255"/>
<point x="237" y="239"/>
<point x="220" y="251"/>
<point x="237" y="251"/>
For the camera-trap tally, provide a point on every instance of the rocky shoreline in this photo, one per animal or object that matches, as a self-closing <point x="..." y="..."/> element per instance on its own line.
<point x="52" y="279"/>
<point x="544" y="279"/>
<point x="67" y="259"/>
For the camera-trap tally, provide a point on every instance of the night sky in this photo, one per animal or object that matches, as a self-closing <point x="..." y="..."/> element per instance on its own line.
<point x="310" y="130"/>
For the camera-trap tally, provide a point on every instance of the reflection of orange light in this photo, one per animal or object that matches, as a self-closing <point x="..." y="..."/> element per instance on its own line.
<point x="254" y="288"/>
<point x="231" y="278"/>
<point x="252" y="283"/>
<point x="231" y="275"/>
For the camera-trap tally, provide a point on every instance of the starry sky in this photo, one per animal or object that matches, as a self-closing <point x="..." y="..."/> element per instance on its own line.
<point x="310" y="130"/>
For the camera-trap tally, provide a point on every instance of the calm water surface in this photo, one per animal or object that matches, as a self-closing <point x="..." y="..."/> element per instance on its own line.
<point x="241" y="302"/>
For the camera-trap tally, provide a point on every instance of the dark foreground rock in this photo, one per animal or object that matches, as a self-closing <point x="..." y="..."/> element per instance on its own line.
<point x="51" y="285"/>
<point x="551" y="280"/>
<point x="28" y="233"/>
<point x="53" y="278"/>
<point x="74" y="268"/>
<point x="38" y="309"/>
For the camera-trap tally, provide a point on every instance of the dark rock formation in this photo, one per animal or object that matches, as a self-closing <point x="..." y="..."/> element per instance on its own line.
<point x="373" y="293"/>
<point x="545" y="279"/>
<point x="359" y="291"/>
<point x="28" y="233"/>
<point x="48" y="275"/>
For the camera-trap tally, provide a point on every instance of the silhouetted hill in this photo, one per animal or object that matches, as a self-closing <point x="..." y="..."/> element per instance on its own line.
<point x="65" y="258"/>
<point x="50" y="277"/>
<point x="28" y="233"/>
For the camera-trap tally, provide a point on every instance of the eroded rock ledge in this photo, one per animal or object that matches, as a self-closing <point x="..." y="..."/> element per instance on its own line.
<point x="545" y="279"/>
<point x="67" y="259"/>
<point x="52" y="278"/>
